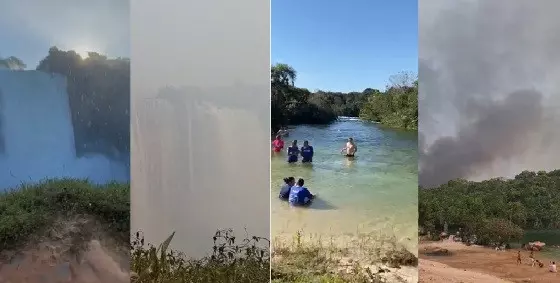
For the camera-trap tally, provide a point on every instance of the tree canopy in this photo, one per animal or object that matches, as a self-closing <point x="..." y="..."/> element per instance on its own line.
<point x="290" y="105"/>
<point x="12" y="63"/>
<point x="496" y="210"/>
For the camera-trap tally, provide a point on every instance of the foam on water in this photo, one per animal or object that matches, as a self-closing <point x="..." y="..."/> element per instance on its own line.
<point x="37" y="135"/>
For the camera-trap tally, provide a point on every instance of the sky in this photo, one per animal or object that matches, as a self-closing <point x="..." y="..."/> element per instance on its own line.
<point x="489" y="89"/>
<point x="345" y="45"/>
<point x="28" y="33"/>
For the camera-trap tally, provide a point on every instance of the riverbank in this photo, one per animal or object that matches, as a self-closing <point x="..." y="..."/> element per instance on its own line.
<point x="448" y="261"/>
<point x="314" y="259"/>
<point x="230" y="260"/>
<point x="65" y="229"/>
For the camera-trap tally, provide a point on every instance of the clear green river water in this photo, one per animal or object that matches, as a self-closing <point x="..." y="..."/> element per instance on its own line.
<point x="374" y="193"/>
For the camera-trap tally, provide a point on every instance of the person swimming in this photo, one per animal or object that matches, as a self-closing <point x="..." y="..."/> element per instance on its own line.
<point x="350" y="148"/>
<point x="293" y="152"/>
<point x="306" y="152"/>
<point x="285" y="190"/>
<point x="278" y="144"/>
<point x="300" y="195"/>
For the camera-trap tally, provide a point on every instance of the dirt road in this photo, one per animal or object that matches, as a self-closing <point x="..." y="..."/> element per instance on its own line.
<point x="468" y="264"/>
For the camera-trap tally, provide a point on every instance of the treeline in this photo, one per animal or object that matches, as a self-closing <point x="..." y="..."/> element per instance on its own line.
<point x="496" y="210"/>
<point x="99" y="94"/>
<point x="290" y="105"/>
<point x="397" y="107"/>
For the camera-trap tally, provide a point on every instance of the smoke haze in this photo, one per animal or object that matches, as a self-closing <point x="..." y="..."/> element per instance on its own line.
<point x="488" y="78"/>
<point x="200" y="135"/>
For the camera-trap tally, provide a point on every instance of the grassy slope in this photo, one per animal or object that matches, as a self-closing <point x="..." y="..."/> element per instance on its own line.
<point x="28" y="211"/>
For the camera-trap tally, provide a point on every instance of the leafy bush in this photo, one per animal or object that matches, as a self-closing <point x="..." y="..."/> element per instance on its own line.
<point x="231" y="260"/>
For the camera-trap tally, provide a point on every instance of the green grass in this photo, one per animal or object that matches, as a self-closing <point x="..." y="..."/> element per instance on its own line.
<point x="231" y="260"/>
<point x="317" y="260"/>
<point x="29" y="211"/>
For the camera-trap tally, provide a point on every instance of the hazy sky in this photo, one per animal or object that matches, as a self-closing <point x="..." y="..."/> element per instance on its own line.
<point x="345" y="45"/>
<point x="489" y="88"/>
<point x="29" y="27"/>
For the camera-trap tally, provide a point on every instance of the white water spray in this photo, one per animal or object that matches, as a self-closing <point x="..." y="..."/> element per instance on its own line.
<point x="37" y="135"/>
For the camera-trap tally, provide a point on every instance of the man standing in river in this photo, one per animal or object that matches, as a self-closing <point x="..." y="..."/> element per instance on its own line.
<point x="350" y="148"/>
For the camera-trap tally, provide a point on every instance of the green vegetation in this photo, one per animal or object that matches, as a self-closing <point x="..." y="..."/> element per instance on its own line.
<point x="397" y="107"/>
<point x="27" y="212"/>
<point x="232" y="260"/>
<point x="99" y="94"/>
<point x="12" y="63"/>
<point x="368" y="259"/>
<point x="497" y="211"/>
<point x="290" y="105"/>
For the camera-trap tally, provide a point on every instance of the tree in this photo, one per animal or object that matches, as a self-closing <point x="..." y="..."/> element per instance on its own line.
<point x="396" y="107"/>
<point x="403" y="80"/>
<point x="496" y="231"/>
<point x="283" y="74"/>
<point x="12" y="63"/>
<point x="99" y="95"/>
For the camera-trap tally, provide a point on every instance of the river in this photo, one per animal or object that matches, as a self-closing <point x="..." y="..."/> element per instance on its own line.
<point x="550" y="237"/>
<point x="374" y="193"/>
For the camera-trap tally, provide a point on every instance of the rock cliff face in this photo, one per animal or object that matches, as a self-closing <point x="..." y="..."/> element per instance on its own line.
<point x="36" y="133"/>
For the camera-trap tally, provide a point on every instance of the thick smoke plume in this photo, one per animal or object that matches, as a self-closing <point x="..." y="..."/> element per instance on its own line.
<point x="489" y="86"/>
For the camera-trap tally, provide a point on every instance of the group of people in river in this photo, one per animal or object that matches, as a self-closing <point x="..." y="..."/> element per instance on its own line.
<point x="295" y="192"/>
<point x="306" y="151"/>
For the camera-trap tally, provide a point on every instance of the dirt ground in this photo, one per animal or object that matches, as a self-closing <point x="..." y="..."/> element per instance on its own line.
<point x="58" y="260"/>
<point x="468" y="264"/>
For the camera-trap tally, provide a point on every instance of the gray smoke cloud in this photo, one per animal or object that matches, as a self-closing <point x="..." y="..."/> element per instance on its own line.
<point x="488" y="78"/>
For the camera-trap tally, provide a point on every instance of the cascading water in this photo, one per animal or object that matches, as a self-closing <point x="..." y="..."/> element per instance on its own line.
<point x="196" y="163"/>
<point x="37" y="137"/>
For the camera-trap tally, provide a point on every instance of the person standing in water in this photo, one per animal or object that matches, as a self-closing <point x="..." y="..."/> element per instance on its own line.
<point x="300" y="195"/>
<point x="293" y="152"/>
<point x="278" y="144"/>
<point x="350" y="148"/>
<point x="306" y="153"/>
<point x="283" y="132"/>
<point x="285" y="190"/>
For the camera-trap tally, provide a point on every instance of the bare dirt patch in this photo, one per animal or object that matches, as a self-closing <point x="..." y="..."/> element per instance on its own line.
<point x="461" y="263"/>
<point x="73" y="250"/>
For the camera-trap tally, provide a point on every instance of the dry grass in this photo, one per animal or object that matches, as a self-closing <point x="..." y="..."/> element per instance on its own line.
<point x="369" y="258"/>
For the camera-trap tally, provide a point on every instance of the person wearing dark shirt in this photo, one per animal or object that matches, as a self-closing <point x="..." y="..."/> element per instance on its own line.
<point x="285" y="190"/>
<point x="300" y="195"/>
<point x="306" y="152"/>
<point x="293" y="152"/>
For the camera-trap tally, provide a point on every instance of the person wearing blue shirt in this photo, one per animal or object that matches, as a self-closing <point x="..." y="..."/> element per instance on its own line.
<point x="306" y="152"/>
<point x="293" y="152"/>
<point x="300" y="195"/>
<point x="285" y="190"/>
